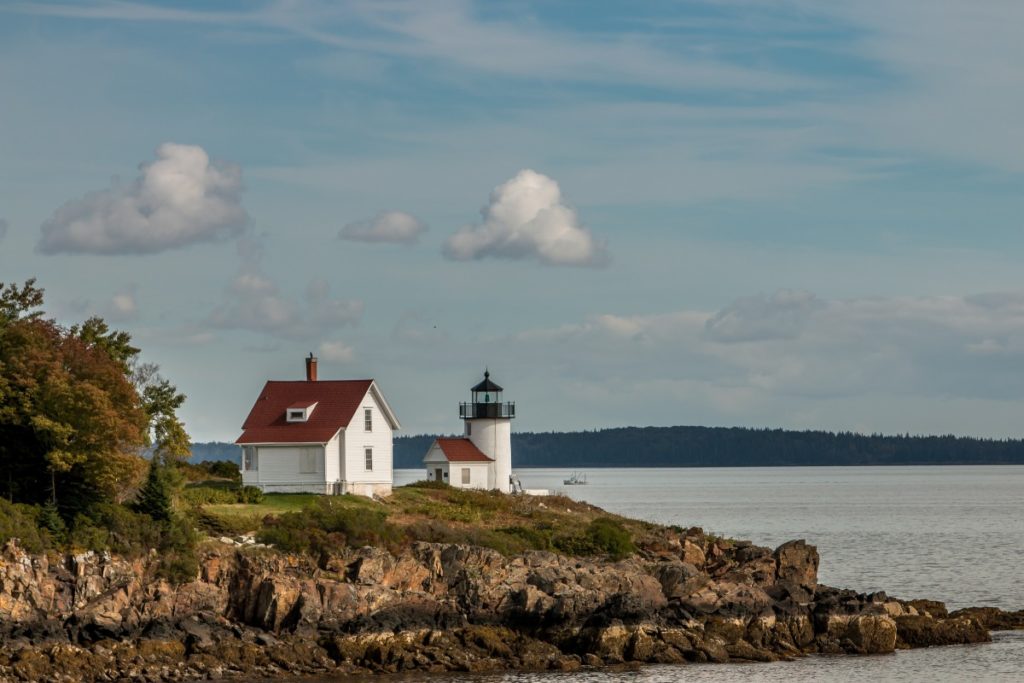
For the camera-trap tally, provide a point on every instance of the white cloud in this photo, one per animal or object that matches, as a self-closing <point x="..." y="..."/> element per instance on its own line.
<point x="336" y="352"/>
<point x="396" y="227"/>
<point x="253" y="301"/>
<point x="455" y="34"/>
<point x="780" y="316"/>
<point x="783" y="359"/>
<point x="526" y="218"/>
<point x="120" y="307"/>
<point x="123" y="305"/>
<point x="179" y="199"/>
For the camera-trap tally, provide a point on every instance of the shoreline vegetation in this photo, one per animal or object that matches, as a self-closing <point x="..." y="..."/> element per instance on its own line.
<point x="437" y="579"/>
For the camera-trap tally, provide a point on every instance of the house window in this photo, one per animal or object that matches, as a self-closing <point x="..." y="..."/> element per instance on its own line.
<point x="307" y="460"/>
<point x="469" y="429"/>
<point x="250" y="460"/>
<point x="368" y="419"/>
<point x="296" y="415"/>
<point x="465" y="475"/>
<point x="368" y="454"/>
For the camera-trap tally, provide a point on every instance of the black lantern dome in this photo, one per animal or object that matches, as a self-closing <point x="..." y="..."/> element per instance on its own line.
<point x="487" y="401"/>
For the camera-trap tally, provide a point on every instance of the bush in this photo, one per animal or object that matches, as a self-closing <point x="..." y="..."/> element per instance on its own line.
<point x="611" y="538"/>
<point x="219" y="495"/>
<point x="210" y="469"/>
<point x="603" y="536"/>
<point x="429" y="484"/>
<point x="221" y="468"/>
<point x="325" y="525"/>
<point x="209" y="495"/>
<point x="133" y="534"/>
<point x="250" y="495"/>
<point x="21" y="522"/>
<point x="533" y="539"/>
<point x="114" y="527"/>
<point x="178" y="560"/>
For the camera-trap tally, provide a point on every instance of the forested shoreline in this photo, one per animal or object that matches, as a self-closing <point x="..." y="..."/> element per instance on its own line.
<point x="688" y="446"/>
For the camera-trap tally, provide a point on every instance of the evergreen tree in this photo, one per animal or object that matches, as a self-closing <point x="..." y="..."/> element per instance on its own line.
<point x="156" y="498"/>
<point x="50" y="519"/>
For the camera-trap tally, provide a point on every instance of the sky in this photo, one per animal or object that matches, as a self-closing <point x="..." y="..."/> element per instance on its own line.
<point x="766" y="213"/>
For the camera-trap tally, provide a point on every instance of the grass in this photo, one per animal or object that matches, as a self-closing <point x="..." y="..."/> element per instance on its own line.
<point x="249" y="517"/>
<point x="428" y="512"/>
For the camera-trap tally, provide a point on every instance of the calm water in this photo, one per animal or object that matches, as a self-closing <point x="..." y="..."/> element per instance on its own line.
<point x="949" y="533"/>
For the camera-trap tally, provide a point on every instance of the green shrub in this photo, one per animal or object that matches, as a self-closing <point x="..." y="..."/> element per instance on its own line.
<point x="210" y="469"/>
<point x="222" y="495"/>
<point x="221" y="468"/>
<point x="325" y="525"/>
<point x="533" y="539"/>
<point x="114" y="527"/>
<point x="429" y="484"/>
<point x="611" y="537"/>
<point x="209" y="495"/>
<point x="250" y="495"/>
<point x="603" y="536"/>
<point x="178" y="560"/>
<point x="133" y="534"/>
<point x="21" y="522"/>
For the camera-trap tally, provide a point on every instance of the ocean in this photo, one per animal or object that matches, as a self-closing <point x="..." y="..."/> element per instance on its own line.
<point x="947" y="533"/>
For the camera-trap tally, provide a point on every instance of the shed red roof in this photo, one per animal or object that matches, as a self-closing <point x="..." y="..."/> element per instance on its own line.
<point x="462" y="450"/>
<point x="337" y="402"/>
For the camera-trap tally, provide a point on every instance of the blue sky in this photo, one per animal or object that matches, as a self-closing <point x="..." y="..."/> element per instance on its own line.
<point x="766" y="213"/>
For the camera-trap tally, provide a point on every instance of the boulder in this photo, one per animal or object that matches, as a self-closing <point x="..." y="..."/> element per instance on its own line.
<point x="924" y="631"/>
<point x="797" y="564"/>
<point x="993" y="618"/>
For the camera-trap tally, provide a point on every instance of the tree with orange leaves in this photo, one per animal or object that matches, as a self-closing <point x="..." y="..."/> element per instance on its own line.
<point x="76" y="408"/>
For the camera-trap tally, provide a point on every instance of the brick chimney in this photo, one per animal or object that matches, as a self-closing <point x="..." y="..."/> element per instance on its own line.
<point x="311" y="368"/>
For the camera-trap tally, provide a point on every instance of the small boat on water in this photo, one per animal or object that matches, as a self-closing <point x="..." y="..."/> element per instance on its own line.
<point x="576" y="479"/>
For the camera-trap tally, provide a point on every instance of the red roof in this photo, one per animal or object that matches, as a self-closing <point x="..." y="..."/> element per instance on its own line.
<point x="302" y="404"/>
<point x="337" y="402"/>
<point x="462" y="450"/>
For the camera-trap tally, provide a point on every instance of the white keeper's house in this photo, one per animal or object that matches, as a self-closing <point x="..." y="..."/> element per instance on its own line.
<point x="319" y="436"/>
<point x="482" y="457"/>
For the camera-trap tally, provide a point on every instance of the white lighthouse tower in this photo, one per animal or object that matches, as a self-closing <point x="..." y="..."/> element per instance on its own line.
<point x="488" y="423"/>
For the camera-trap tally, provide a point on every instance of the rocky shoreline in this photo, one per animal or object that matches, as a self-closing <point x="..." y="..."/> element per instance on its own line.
<point x="253" y="612"/>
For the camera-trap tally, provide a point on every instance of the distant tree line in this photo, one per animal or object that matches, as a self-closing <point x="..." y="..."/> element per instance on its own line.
<point x="733" y="447"/>
<point x="709" y="447"/>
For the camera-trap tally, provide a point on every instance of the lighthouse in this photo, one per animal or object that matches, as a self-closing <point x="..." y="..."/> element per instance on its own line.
<point x="488" y="425"/>
<point x="482" y="457"/>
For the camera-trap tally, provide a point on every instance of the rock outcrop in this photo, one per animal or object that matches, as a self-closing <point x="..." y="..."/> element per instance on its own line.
<point x="433" y="607"/>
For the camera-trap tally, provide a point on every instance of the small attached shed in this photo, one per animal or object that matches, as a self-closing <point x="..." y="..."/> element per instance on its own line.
<point x="460" y="463"/>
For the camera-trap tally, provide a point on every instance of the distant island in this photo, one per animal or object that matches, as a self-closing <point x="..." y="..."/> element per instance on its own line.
<point x="711" y="447"/>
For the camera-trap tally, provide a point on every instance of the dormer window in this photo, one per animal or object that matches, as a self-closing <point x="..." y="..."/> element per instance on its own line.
<point x="299" y="412"/>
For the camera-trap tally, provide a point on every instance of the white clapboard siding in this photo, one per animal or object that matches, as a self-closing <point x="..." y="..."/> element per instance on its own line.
<point x="357" y="439"/>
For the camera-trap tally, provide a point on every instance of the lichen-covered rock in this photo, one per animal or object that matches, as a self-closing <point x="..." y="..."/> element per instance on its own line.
<point x="924" y="631"/>
<point x="797" y="564"/>
<point x="993" y="618"/>
<point x="252" y="612"/>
